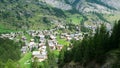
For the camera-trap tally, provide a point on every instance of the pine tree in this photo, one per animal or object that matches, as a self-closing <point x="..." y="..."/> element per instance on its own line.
<point x="115" y="36"/>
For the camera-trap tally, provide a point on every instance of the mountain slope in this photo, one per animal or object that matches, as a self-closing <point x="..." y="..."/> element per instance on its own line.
<point x="103" y="10"/>
<point x="29" y="14"/>
<point x="109" y="4"/>
<point x="39" y="14"/>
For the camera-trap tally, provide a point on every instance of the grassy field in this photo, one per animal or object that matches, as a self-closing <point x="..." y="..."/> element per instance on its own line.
<point x="4" y="29"/>
<point x="75" y="19"/>
<point x="56" y="53"/>
<point x="62" y="41"/>
<point x="25" y="61"/>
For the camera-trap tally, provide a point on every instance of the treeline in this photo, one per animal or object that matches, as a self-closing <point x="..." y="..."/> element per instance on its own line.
<point x="9" y="53"/>
<point x="100" y="50"/>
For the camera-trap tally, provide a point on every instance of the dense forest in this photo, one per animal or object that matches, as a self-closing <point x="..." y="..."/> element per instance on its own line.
<point x="9" y="53"/>
<point x="100" y="50"/>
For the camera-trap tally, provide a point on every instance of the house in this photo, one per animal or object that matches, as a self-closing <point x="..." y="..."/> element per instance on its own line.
<point x="69" y="38"/>
<point x="32" y="44"/>
<point x="52" y="37"/>
<point x="76" y="38"/>
<point x="59" y="47"/>
<point x="51" y="44"/>
<point x="41" y="44"/>
<point x="41" y="36"/>
<point x="24" y="49"/>
<point x="40" y="56"/>
<point x="24" y="38"/>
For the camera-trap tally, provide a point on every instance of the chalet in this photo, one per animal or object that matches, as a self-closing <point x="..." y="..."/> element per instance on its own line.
<point x="43" y="48"/>
<point x="31" y="44"/>
<point x="52" y="37"/>
<point x="40" y="56"/>
<point x="69" y="38"/>
<point x="59" y="47"/>
<point x="24" y="38"/>
<point x="41" y="44"/>
<point x="41" y="36"/>
<point x="76" y="38"/>
<point x="42" y="40"/>
<point x="54" y="42"/>
<point x="24" y="49"/>
<point x="68" y="48"/>
<point x="51" y="45"/>
<point x="61" y="37"/>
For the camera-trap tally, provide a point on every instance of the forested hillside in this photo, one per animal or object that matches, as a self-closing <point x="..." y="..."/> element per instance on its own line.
<point x="39" y="14"/>
<point x="9" y="53"/>
<point x="32" y="14"/>
<point x="99" y="51"/>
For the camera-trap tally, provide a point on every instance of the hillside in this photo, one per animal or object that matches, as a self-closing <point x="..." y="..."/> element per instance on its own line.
<point x="24" y="14"/>
<point x="39" y="14"/>
<point x="99" y="51"/>
<point x="59" y="34"/>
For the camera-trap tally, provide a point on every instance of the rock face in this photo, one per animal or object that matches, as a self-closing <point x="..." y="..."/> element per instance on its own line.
<point x="92" y="7"/>
<point x="100" y="6"/>
<point x="112" y="3"/>
<point x="58" y="4"/>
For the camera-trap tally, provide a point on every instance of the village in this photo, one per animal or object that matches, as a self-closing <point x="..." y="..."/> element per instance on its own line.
<point x="35" y="40"/>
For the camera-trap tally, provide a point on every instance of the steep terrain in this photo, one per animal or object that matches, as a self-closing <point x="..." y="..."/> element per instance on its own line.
<point x="39" y="14"/>
<point x="30" y="14"/>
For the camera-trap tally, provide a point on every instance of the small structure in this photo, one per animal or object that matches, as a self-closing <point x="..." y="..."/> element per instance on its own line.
<point x="24" y="49"/>
<point x="51" y="44"/>
<point x="59" y="47"/>
<point x="52" y="37"/>
<point x="40" y="56"/>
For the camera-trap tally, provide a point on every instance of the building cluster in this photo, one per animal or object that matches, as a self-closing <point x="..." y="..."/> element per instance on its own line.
<point x="36" y="43"/>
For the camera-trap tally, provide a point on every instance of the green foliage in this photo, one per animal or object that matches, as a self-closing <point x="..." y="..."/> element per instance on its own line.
<point x="62" y="41"/>
<point x="74" y="19"/>
<point x="95" y="48"/>
<point x="115" y="37"/>
<point x="33" y="14"/>
<point x="25" y="59"/>
<point x="62" y="57"/>
<point x="46" y="64"/>
<point x="114" y="57"/>
<point x="59" y="12"/>
<point x="51" y="61"/>
<point x="100" y="16"/>
<point x="35" y="63"/>
<point x="1" y="64"/>
<point x="9" y="50"/>
<point x="10" y="53"/>
<point x="10" y="64"/>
